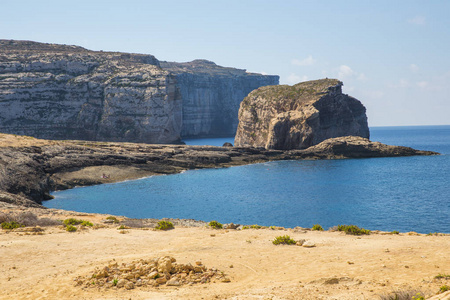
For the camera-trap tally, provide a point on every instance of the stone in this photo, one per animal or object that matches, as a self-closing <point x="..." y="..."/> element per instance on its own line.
<point x="121" y="283"/>
<point x="161" y="280"/>
<point x="308" y="244"/>
<point x="129" y="285"/>
<point x="165" y="264"/>
<point x="231" y="226"/>
<point x="173" y="282"/>
<point x="299" y="116"/>
<point x="300" y="242"/>
<point x="227" y="144"/>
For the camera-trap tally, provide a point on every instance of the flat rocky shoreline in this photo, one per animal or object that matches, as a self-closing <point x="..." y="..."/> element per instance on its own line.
<point x="30" y="168"/>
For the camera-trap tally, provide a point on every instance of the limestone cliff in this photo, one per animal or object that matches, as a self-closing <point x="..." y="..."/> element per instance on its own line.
<point x="299" y="116"/>
<point x="68" y="92"/>
<point x="212" y="94"/>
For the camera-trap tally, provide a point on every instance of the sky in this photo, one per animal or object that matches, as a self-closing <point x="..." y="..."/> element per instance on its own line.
<point x="393" y="56"/>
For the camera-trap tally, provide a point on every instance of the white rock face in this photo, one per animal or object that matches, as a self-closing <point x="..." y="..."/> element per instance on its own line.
<point x="67" y="92"/>
<point x="212" y="94"/>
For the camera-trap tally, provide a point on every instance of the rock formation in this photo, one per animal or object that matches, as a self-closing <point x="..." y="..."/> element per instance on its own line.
<point x="211" y="96"/>
<point x="68" y="92"/>
<point x="299" y="116"/>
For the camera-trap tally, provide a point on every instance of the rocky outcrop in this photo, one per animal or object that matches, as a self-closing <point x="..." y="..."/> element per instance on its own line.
<point x="68" y="92"/>
<point x="212" y="94"/>
<point x="31" y="168"/>
<point x="299" y="116"/>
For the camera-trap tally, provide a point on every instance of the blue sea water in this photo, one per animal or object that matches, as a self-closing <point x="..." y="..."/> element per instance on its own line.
<point x="403" y="193"/>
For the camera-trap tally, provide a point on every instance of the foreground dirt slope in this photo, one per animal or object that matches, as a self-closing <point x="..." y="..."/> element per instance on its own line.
<point x="339" y="267"/>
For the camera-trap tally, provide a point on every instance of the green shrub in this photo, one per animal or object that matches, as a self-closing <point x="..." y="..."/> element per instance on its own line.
<point x="317" y="227"/>
<point x="86" y="223"/>
<point x="353" y="229"/>
<point x="72" y="221"/>
<point x="285" y="240"/>
<point x="442" y="276"/>
<point x="215" y="225"/>
<point x="164" y="225"/>
<point x="256" y="226"/>
<point x="11" y="225"/>
<point x="395" y="232"/>
<point x="71" y="228"/>
<point x="444" y="288"/>
<point x="113" y="219"/>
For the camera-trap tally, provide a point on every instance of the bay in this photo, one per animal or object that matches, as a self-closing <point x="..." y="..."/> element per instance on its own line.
<point x="403" y="193"/>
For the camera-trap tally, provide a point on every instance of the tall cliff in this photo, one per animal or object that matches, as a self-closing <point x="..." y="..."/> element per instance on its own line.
<point x="67" y="92"/>
<point x="212" y="94"/>
<point x="297" y="117"/>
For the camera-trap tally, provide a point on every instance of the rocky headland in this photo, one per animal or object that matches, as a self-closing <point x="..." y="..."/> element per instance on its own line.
<point x="56" y="91"/>
<point x="296" y="117"/>
<point x="30" y="168"/>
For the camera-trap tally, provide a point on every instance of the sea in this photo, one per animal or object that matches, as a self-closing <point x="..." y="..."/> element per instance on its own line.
<point x="402" y="193"/>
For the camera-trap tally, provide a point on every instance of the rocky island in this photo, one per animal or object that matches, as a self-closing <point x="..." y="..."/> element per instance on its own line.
<point x="299" y="116"/>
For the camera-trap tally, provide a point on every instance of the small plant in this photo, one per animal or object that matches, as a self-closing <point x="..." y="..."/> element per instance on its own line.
<point x="245" y="227"/>
<point x="164" y="225"/>
<point x="317" y="227"/>
<point x="121" y="227"/>
<point x="115" y="281"/>
<point x="71" y="228"/>
<point x="353" y="229"/>
<point x="395" y="232"/>
<point x="215" y="225"/>
<point x="444" y="288"/>
<point x="86" y="223"/>
<point x="72" y="221"/>
<point x="11" y="225"/>
<point x="113" y="219"/>
<point x="285" y="240"/>
<point x="442" y="276"/>
<point x="418" y="296"/>
<point x="256" y="226"/>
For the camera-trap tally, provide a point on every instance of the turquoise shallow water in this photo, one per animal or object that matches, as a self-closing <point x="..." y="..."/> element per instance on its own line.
<point x="405" y="194"/>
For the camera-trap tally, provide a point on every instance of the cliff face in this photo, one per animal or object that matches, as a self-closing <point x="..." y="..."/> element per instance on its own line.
<point x="68" y="92"/>
<point x="212" y="94"/>
<point x="299" y="116"/>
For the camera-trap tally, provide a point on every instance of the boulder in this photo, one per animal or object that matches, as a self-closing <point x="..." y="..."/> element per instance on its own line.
<point x="299" y="116"/>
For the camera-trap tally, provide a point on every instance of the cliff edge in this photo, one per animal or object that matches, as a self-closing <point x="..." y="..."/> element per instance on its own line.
<point x="299" y="116"/>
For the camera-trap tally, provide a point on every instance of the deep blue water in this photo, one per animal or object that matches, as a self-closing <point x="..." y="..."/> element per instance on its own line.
<point x="403" y="193"/>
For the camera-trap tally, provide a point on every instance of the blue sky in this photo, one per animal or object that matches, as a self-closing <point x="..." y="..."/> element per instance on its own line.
<point x="394" y="56"/>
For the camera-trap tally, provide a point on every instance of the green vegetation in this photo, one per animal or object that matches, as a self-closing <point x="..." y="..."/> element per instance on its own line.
<point x="285" y="240"/>
<point x="404" y="295"/>
<point x="113" y="219"/>
<point x="11" y="225"/>
<point x="442" y="276"/>
<point x="395" y="232"/>
<point x="164" y="225"/>
<point x="73" y="221"/>
<point x="115" y="281"/>
<point x="71" y="228"/>
<point x="444" y="288"/>
<point x="353" y="229"/>
<point x="317" y="227"/>
<point x="215" y="225"/>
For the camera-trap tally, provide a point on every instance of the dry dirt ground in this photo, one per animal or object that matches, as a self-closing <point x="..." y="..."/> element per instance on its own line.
<point x="339" y="267"/>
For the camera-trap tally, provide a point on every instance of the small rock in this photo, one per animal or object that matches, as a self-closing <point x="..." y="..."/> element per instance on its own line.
<point x="161" y="280"/>
<point x="173" y="282"/>
<point x="308" y="244"/>
<point x="153" y="275"/>
<point x="226" y="279"/>
<point x="121" y="283"/>
<point x="227" y="144"/>
<point x="300" y="242"/>
<point x="331" y="281"/>
<point x="129" y="285"/>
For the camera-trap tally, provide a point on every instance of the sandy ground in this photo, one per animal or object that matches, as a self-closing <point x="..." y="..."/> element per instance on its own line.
<point x="364" y="267"/>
